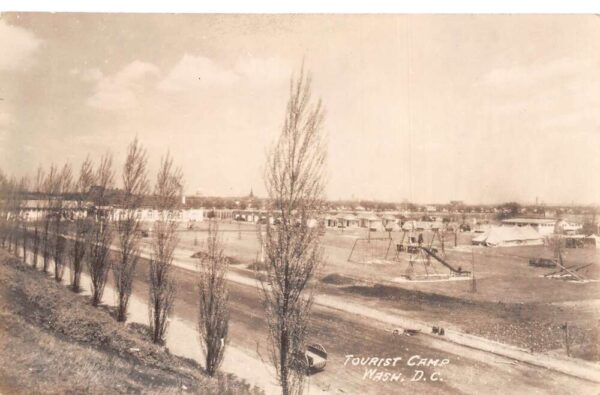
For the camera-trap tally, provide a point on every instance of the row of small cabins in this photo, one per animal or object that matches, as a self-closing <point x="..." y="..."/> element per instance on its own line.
<point x="36" y="210"/>
<point x="32" y="210"/>
<point x="396" y="222"/>
<point x="391" y="221"/>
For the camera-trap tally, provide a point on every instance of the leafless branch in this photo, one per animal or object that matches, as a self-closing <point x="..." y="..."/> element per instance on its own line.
<point x="50" y="189"/>
<point x="63" y="185"/>
<point x="38" y="187"/>
<point x="83" y="224"/>
<point x="135" y="187"/>
<point x="100" y="234"/>
<point x="213" y="317"/>
<point x="162" y="290"/>
<point x="295" y="181"/>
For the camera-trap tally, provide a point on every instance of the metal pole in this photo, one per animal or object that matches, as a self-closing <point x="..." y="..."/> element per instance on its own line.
<point x="473" y="280"/>
<point x="566" y="328"/>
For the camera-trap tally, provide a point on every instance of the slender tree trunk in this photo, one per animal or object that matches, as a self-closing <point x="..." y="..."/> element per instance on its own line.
<point x="295" y="183"/>
<point x="284" y="349"/>
<point x="24" y="242"/>
<point x="36" y="245"/>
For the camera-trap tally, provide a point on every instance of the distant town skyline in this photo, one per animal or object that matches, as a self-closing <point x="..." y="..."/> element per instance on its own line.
<point x="480" y="108"/>
<point x="358" y="201"/>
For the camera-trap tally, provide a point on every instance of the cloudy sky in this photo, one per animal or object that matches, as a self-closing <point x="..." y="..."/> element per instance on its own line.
<point x="426" y="108"/>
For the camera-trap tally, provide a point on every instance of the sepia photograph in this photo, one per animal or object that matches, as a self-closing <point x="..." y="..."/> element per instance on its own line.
<point x="299" y="203"/>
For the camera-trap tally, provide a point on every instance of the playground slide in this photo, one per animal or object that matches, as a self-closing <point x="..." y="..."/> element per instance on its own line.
<point x="443" y="262"/>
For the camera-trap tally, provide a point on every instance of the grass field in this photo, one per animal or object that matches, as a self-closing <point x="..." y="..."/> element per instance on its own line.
<point x="513" y="302"/>
<point x="502" y="274"/>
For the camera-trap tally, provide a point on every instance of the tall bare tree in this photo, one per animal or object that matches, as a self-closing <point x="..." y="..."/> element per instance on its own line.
<point x="135" y="187"/>
<point x="64" y="184"/>
<point x="105" y="178"/>
<point x="22" y="212"/>
<point x="13" y="194"/>
<point x="17" y="218"/>
<point x="82" y="223"/>
<point x="50" y="190"/>
<point x="100" y="238"/>
<point x="213" y="317"/>
<point x="4" y="209"/>
<point x="167" y="190"/>
<point x="38" y="186"/>
<point x="11" y="220"/>
<point x="295" y="180"/>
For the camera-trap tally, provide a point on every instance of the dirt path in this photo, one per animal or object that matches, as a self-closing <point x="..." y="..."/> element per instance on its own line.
<point x="577" y="368"/>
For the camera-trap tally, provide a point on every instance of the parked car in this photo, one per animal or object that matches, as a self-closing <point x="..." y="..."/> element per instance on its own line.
<point x="465" y="228"/>
<point x="542" y="262"/>
<point x="314" y="359"/>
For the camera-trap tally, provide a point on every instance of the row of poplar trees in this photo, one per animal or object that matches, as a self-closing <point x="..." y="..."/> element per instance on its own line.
<point x="109" y="237"/>
<point x="69" y="232"/>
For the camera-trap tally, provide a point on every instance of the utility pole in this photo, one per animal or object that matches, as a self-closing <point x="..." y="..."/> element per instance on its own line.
<point x="442" y="237"/>
<point x="565" y="327"/>
<point x="473" y="280"/>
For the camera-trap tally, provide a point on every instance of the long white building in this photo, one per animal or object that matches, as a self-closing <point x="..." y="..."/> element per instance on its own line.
<point x="545" y="226"/>
<point x="151" y="215"/>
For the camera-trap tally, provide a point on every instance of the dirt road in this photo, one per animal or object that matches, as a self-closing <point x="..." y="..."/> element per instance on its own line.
<point x="343" y="334"/>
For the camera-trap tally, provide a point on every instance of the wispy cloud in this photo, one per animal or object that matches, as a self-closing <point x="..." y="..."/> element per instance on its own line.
<point x="193" y="70"/>
<point x="121" y="90"/>
<point x="124" y="89"/>
<point x="263" y="71"/>
<point x="18" y="46"/>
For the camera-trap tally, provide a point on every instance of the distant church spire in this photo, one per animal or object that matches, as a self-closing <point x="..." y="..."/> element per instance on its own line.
<point x="251" y="193"/>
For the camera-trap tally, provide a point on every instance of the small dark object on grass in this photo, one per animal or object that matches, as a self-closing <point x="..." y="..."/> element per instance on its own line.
<point x="337" y="279"/>
<point x="411" y="332"/>
<point x="542" y="262"/>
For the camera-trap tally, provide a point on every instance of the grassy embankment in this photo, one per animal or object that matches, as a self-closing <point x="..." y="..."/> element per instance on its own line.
<point x="54" y="341"/>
